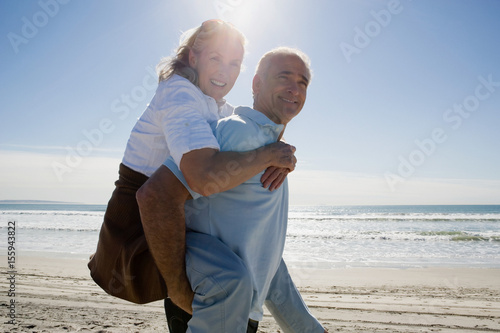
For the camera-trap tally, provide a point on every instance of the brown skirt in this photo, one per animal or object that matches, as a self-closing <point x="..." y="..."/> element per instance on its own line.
<point x="122" y="264"/>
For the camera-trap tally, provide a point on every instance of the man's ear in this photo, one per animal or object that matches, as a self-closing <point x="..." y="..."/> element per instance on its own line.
<point x="192" y="58"/>
<point x="256" y="84"/>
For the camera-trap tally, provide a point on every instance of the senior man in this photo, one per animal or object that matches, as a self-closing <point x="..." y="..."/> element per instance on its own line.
<point x="235" y="239"/>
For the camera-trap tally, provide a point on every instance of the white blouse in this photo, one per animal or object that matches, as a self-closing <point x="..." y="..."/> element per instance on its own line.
<point x="176" y="121"/>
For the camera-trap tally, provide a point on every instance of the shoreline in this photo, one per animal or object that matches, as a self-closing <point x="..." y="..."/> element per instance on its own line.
<point x="58" y="295"/>
<point x="296" y="265"/>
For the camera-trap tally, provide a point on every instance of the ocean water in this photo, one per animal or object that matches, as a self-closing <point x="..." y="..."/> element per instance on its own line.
<point x="318" y="236"/>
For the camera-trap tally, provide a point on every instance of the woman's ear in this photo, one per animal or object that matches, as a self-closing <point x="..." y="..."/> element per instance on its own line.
<point x="192" y="59"/>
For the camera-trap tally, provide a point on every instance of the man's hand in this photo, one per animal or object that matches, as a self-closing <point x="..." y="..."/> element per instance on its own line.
<point x="274" y="177"/>
<point x="283" y="162"/>
<point x="182" y="296"/>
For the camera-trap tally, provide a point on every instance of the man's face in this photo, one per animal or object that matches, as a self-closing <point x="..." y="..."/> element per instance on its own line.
<point x="281" y="93"/>
<point x="218" y="66"/>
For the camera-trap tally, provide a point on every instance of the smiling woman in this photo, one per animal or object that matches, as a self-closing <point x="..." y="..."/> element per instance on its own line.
<point x="216" y="40"/>
<point x="207" y="63"/>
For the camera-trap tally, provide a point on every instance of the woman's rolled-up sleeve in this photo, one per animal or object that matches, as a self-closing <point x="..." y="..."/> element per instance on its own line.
<point x="185" y="117"/>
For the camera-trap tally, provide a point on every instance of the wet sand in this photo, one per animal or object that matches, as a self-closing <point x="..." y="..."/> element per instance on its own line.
<point x="58" y="295"/>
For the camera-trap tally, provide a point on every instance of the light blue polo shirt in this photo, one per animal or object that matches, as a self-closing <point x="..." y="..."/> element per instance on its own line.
<point x="249" y="218"/>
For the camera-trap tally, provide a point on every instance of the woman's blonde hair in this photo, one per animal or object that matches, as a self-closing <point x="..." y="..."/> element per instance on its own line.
<point x="195" y="39"/>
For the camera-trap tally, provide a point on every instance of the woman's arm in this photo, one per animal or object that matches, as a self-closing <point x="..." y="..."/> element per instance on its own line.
<point x="208" y="171"/>
<point x="183" y="115"/>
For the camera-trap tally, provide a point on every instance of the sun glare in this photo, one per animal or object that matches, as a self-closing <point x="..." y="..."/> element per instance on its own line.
<point x="254" y="18"/>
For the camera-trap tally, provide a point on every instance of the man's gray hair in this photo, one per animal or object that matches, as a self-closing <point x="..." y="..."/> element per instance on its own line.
<point x="265" y="61"/>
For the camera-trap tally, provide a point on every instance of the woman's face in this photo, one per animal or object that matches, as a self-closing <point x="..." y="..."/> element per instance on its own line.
<point x="218" y="65"/>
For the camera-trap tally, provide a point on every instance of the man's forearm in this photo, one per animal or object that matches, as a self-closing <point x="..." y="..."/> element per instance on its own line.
<point x="162" y="215"/>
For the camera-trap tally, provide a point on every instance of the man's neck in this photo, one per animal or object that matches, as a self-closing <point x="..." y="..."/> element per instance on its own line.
<point x="282" y="132"/>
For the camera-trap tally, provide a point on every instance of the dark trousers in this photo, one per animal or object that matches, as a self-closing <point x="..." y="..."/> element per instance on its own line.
<point x="177" y="319"/>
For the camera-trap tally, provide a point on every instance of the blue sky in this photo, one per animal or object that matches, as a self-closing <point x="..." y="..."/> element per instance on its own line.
<point x="404" y="106"/>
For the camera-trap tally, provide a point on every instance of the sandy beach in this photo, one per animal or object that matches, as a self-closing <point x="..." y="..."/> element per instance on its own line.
<point x="58" y="295"/>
